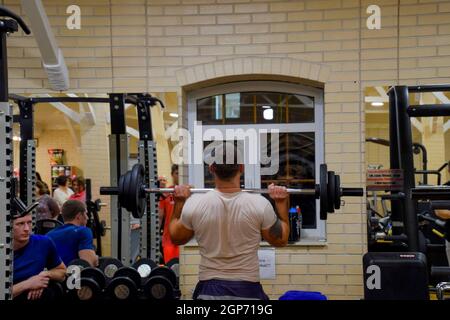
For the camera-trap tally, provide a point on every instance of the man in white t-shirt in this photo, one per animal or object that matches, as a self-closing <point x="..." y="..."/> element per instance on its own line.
<point x="63" y="192"/>
<point x="228" y="225"/>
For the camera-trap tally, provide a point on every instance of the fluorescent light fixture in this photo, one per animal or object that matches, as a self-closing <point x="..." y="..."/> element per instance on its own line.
<point x="268" y="114"/>
<point x="266" y="107"/>
<point x="173" y="115"/>
<point x="377" y="104"/>
<point x="16" y="138"/>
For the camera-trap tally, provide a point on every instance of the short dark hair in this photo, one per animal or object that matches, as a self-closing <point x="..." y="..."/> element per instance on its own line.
<point x="71" y="208"/>
<point x="174" y="168"/>
<point x="80" y="181"/>
<point x="225" y="169"/>
<point x="61" y="181"/>
<point x="43" y="189"/>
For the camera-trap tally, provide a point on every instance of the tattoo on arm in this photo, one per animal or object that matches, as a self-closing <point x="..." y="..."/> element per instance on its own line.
<point x="276" y="230"/>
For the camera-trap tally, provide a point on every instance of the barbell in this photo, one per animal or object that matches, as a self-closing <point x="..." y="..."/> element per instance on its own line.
<point x="131" y="191"/>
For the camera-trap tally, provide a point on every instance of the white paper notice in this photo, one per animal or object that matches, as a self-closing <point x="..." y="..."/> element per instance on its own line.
<point x="266" y="263"/>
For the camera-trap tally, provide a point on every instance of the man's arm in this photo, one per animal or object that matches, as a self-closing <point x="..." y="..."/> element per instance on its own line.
<point x="37" y="282"/>
<point x="278" y="234"/>
<point x="89" y="255"/>
<point x="20" y="288"/>
<point x="58" y="273"/>
<point x="86" y="247"/>
<point x="443" y="214"/>
<point x="178" y="232"/>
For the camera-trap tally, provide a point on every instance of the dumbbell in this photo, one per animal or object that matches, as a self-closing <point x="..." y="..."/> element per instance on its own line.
<point x="80" y="263"/>
<point x="144" y="266"/>
<point x="174" y="264"/>
<point x="109" y="266"/>
<point x="125" y="285"/>
<point x="92" y="283"/>
<point x="161" y="284"/>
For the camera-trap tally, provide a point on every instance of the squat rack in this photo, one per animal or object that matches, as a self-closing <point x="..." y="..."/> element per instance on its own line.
<point x="7" y="26"/>
<point x="404" y="202"/>
<point x="118" y="143"/>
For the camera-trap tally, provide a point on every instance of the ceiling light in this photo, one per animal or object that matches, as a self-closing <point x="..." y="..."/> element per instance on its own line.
<point x="16" y="138"/>
<point x="268" y="114"/>
<point x="377" y="104"/>
<point x="173" y="115"/>
<point x="266" y="107"/>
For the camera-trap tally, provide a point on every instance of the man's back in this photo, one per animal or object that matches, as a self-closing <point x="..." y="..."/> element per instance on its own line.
<point x="227" y="227"/>
<point x="70" y="239"/>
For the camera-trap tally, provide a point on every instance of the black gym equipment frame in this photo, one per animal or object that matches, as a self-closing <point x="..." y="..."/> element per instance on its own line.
<point x="401" y="157"/>
<point x="119" y="162"/>
<point x="417" y="147"/>
<point x="9" y="23"/>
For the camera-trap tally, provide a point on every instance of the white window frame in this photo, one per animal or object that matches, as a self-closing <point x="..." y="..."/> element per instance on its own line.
<point x="252" y="177"/>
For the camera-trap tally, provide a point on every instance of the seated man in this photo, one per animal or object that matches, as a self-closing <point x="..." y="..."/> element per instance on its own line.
<point x="32" y="255"/>
<point x="74" y="240"/>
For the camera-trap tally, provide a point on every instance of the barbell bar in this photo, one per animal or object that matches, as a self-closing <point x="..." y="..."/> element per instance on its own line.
<point x="131" y="191"/>
<point x="249" y="190"/>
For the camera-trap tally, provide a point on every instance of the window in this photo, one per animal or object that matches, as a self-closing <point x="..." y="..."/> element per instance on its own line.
<point x="255" y="108"/>
<point x="295" y="111"/>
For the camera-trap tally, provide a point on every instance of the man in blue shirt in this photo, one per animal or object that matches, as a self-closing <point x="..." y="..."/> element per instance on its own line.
<point x="33" y="254"/>
<point x="74" y="240"/>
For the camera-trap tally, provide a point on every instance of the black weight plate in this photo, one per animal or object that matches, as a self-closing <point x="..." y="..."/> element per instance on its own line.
<point x="122" y="288"/>
<point x="57" y="289"/>
<point x="330" y="191"/>
<point x="121" y="189"/>
<point x="159" y="288"/>
<point x="127" y="200"/>
<point x="89" y="290"/>
<point x="129" y="272"/>
<point x="79" y="262"/>
<point x="144" y="266"/>
<point x="132" y="191"/>
<point x="95" y="274"/>
<point x="337" y="199"/>
<point x="109" y="266"/>
<point x="174" y="264"/>
<point x="323" y="192"/>
<point x="166" y="272"/>
<point x="137" y="207"/>
<point x="142" y="201"/>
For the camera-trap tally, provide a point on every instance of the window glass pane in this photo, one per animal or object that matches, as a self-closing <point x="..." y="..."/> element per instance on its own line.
<point x="210" y="110"/>
<point x="256" y="107"/>
<point x="300" y="108"/>
<point x="270" y="107"/>
<point x="239" y="108"/>
<point x="296" y="170"/>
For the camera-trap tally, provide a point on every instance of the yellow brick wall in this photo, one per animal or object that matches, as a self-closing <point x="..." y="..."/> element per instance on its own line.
<point x="150" y="45"/>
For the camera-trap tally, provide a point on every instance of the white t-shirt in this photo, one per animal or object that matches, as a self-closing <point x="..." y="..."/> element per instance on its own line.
<point x="60" y="196"/>
<point x="227" y="227"/>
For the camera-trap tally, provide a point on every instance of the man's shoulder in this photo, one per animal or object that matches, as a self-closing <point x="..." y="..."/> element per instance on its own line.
<point x="38" y="238"/>
<point x="40" y="241"/>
